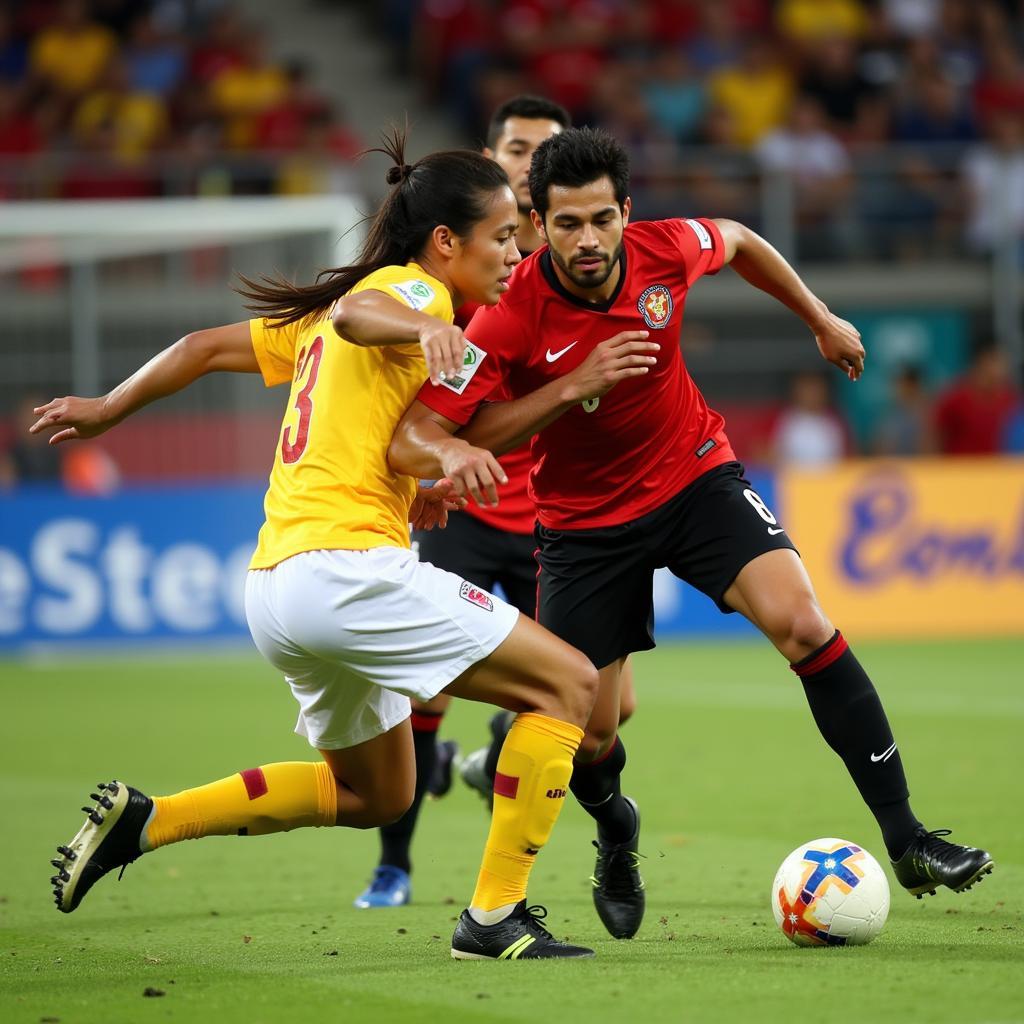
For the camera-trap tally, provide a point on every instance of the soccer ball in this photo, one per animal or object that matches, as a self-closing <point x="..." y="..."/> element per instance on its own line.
<point x="829" y="892"/>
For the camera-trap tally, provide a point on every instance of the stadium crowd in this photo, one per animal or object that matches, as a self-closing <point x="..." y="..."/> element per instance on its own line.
<point x="898" y="124"/>
<point x="127" y="99"/>
<point x="892" y="113"/>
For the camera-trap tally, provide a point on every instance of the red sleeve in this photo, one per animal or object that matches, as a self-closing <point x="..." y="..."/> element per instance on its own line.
<point x="492" y="339"/>
<point x="700" y="243"/>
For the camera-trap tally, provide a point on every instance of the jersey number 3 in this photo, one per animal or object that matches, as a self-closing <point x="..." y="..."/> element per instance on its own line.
<point x="308" y="366"/>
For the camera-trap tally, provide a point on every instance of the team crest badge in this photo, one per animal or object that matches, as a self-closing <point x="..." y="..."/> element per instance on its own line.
<point x="474" y="595"/>
<point x="655" y="306"/>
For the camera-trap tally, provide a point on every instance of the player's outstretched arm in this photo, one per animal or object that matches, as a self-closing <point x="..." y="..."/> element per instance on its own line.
<point x="758" y="262"/>
<point x="502" y="426"/>
<point x="423" y="446"/>
<point x="191" y="357"/>
<point x="372" y="318"/>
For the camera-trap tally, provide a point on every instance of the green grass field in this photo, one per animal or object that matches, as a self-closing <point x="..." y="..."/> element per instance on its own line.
<point x="729" y="772"/>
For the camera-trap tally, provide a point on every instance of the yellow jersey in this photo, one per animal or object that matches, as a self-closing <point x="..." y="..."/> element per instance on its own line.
<point x="331" y="486"/>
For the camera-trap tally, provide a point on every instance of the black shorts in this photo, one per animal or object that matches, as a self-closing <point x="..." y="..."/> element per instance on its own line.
<point x="597" y="586"/>
<point x="485" y="556"/>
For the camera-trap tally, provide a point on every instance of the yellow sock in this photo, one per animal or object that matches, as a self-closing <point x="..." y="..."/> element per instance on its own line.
<point x="529" y="791"/>
<point x="256" y="802"/>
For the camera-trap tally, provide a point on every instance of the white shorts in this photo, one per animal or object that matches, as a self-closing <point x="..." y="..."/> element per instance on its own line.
<point x="356" y="633"/>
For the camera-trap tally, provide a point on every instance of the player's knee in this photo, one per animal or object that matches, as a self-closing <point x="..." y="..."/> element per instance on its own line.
<point x="582" y="693"/>
<point x="391" y="804"/>
<point x="807" y="628"/>
<point x="570" y="692"/>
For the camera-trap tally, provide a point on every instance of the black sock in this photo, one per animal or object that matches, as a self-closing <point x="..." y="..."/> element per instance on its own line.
<point x="500" y="725"/>
<point x="597" y="787"/>
<point x="851" y="719"/>
<point x="396" y="838"/>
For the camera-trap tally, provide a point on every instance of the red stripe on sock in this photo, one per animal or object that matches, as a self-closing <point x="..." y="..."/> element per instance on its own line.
<point x="426" y="721"/>
<point x="604" y="757"/>
<point x="255" y="782"/>
<point x="506" y="785"/>
<point x="824" y="656"/>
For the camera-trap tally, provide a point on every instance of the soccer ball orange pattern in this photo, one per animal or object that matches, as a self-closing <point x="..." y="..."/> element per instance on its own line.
<point x="830" y="892"/>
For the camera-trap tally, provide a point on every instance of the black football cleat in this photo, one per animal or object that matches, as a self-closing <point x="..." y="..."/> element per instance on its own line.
<point x="930" y="861"/>
<point x="618" y="888"/>
<point x="520" y="936"/>
<point x="109" y="839"/>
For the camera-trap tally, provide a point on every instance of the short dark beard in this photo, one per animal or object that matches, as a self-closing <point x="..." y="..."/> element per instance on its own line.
<point x="589" y="282"/>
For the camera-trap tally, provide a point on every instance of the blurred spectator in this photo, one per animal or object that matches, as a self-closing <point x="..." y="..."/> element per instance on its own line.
<point x="805" y="149"/>
<point x="13" y="51"/>
<point x="155" y="61"/>
<point x="322" y="161"/>
<point x="816" y="164"/>
<point x="1000" y="89"/>
<point x="971" y="416"/>
<point x="833" y="77"/>
<point x="933" y="111"/>
<point x="244" y="91"/>
<point x="755" y="92"/>
<point x="716" y="43"/>
<point x="283" y="125"/>
<point x="994" y="177"/>
<point x="913" y="17"/>
<point x="675" y="96"/>
<point x="906" y="426"/>
<point x="137" y="121"/>
<point x="809" y="431"/>
<point x="73" y="52"/>
<point x="218" y="49"/>
<point x="808" y="22"/>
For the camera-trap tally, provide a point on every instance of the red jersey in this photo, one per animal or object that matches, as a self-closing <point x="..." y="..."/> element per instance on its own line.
<point x="972" y="422"/>
<point x="615" y="458"/>
<point x="515" y="512"/>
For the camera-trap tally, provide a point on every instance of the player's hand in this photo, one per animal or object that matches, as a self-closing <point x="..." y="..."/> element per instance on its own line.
<point x="839" y="342"/>
<point x="432" y="504"/>
<point x="443" y="348"/>
<point x="473" y="471"/>
<point x="628" y="354"/>
<point x="76" y="417"/>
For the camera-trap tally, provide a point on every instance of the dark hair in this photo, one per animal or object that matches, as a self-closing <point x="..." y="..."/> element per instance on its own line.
<point x="450" y="188"/>
<point x="576" y="157"/>
<point x="532" y="108"/>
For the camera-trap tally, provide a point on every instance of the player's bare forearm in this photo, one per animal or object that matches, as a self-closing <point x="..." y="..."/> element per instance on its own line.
<point x="501" y="427"/>
<point x="419" y="442"/>
<point x="219" y="348"/>
<point x="763" y="266"/>
<point x="756" y="261"/>
<point x="372" y="318"/>
<point x="423" y="445"/>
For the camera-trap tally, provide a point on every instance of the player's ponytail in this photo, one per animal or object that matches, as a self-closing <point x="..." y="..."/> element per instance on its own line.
<point x="450" y="188"/>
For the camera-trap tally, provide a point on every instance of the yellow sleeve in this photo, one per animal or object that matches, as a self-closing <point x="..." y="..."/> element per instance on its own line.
<point x="412" y="287"/>
<point x="275" y="349"/>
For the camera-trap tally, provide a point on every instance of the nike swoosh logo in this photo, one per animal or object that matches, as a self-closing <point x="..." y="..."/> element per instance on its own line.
<point x="552" y="356"/>
<point x="885" y="754"/>
<point x="773" y="531"/>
